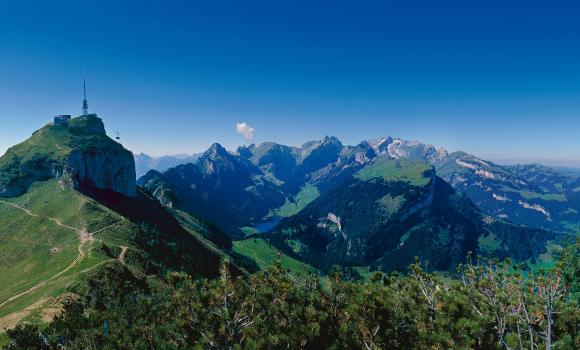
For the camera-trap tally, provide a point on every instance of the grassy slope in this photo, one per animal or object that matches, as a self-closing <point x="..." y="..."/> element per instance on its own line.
<point x="38" y="252"/>
<point x="26" y="258"/>
<point x="44" y="233"/>
<point x="366" y="272"/>
<point x="51" y="145"/>
<point x="545" y="261"/>
<point x="54" y="262"/>
<point x="50" y="236"/>
<point x="489" y="243"/>
<point x="35" y="248"/>
<point x="195" y="228"/>
<point x="51" y="140"/>
<point x="410" y="171"/>
<point x="265" y="255"/>
<point x="534" y="195"/>
<point x="248" y="230"/>
<point x="60" y="140"/>
<point x="305" y="196"/>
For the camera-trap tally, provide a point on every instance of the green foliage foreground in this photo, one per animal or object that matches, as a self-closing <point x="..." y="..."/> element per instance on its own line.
<point x="489" y="306"/>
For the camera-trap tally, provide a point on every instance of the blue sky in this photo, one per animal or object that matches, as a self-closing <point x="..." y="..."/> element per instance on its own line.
<point x="500" y="79"/>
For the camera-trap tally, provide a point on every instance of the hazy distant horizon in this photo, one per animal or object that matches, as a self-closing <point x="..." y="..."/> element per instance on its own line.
<point x="498" y="159"/>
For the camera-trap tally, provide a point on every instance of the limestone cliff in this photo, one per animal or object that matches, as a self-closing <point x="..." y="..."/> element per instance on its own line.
<point x="79" y="151"/>
<point x="104" y="169"/>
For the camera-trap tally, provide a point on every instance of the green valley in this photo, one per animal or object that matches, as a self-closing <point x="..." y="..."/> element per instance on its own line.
<point x="266" y="256"/>
<point x="305" y="196"/>
<point x="412" y="171"/>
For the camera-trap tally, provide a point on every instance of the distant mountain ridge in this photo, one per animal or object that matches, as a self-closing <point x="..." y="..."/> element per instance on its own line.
<point x="393" y="210"/>
<point x="221" y="186"/>
<point x="506" y="192"/>
<point x="322" y="184"/>
<point x="530" y="195"/>
<point x="144" y="162"/>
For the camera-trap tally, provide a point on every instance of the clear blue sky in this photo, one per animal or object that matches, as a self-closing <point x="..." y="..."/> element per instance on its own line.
<point x="500" y="79"/>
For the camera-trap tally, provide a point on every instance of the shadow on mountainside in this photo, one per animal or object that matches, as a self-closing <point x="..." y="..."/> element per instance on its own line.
<point x="161" y="236"/>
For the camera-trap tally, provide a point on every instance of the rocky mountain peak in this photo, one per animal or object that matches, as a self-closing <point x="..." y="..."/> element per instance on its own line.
<point x="78" y="150"/>
<point x="216" y="150"/>
<point x="380" y="146"/>
<point x="89" y="125"/>
<point x="245" y="151"/>
<point x="331" y="139"/>
<point x="402" y="149"/>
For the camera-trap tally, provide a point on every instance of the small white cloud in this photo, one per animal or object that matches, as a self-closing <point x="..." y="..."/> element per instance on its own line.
<point x="246" y="130"/>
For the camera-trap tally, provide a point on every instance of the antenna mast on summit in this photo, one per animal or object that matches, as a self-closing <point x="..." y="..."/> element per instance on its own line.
<point x="85" y="101"/>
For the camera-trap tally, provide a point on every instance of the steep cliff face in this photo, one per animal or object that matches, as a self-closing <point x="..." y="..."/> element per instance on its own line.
<point x="104" y="169"/>
<point x="79" y="151"/>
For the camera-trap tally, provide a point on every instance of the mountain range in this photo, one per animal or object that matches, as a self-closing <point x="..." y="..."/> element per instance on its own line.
<point x="145" y="162"/>
<point x="227" y="189"/>
<point x="391" y="211"/>
<point x="70" y="208"/>
<point x="377" y="204"/>
<point x="531" y="195"/>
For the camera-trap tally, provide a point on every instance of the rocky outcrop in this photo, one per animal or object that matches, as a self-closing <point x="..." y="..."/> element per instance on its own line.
<point x="164" y="197"/>
<point x="78" y="154"/>
<point x="106" y="168"/>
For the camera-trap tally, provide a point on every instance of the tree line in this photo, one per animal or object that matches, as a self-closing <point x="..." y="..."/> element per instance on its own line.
<point x="487" y="305"/>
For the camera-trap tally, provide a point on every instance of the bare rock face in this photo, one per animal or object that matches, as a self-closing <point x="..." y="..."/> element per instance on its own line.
<point x="104" y="169"/>
<point x="99" y="161"/>
<point x="164" y="197"/>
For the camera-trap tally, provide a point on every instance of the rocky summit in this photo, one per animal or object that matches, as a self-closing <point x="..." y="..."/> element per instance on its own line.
<point x="78" y="153"/>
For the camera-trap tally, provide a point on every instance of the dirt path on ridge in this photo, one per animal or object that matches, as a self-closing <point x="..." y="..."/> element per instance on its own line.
<point x="83" y="235"/>
<point x="122" y="255"/>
